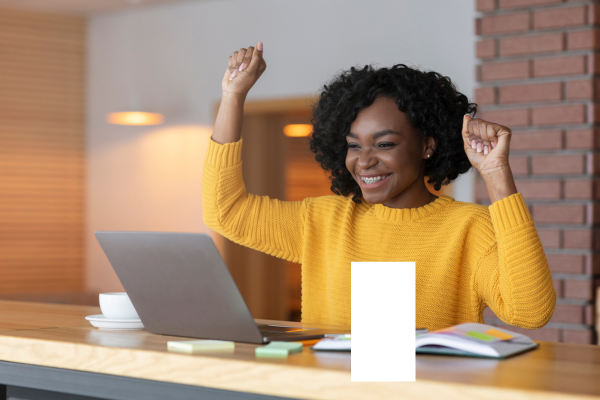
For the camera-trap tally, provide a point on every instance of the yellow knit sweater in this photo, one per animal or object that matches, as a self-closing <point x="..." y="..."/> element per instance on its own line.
<point x="467" y="256"/>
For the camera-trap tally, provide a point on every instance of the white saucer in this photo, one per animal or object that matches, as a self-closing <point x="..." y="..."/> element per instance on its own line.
<point x="100" y="321"/>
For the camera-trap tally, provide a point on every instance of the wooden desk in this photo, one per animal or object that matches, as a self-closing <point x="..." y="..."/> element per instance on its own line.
<point x="38" y="340"/>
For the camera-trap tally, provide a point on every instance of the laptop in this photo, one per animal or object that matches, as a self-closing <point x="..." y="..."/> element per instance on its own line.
<point x="180" y="286"/>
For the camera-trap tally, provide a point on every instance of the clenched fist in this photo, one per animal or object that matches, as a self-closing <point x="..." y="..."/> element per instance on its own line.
<point x="487" y="145"/>
<point x="245" y="67"/>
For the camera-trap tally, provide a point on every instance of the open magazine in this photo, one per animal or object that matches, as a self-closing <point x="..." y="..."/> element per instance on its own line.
<point x="476" y="340"/>
<point x="470" y="339"/>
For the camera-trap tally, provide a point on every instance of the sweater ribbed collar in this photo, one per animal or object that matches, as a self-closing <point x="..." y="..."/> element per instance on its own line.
<point x="400" y="215"/>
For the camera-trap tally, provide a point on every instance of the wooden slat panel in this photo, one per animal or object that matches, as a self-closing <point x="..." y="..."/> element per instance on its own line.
<point x="30" y="82"/>
<point x="15" y="53"/>
<point x="37" y="125"/>
<point x="9" y="69"/>
<point x="59" y="42"/>
<point x="42" y="174"/>
<point x="60" y="93"/>
<point x="11" y="116"/>
<point x="48" y="22"/>
<point x="304" y="178"/>
<point x="44" y="140"/>
<point x="40" y="85"/>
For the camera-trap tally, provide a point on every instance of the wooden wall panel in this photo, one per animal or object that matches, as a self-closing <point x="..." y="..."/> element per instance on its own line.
<point x="42" y="103"/>
<point x="261" y="278"/>
<point x="304" y="178"/>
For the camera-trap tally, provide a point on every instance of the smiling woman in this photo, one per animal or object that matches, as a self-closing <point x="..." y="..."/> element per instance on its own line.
<point x="385" y="157"/>
<point x="379" y="133"/>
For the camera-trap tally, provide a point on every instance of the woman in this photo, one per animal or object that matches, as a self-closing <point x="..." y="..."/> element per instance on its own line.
<point x="379" y="133"/>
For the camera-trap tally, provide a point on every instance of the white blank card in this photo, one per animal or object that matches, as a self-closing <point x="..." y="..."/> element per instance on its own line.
<point x="383" y="322"/>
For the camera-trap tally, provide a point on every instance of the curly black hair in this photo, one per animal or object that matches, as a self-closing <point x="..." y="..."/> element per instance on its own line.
<point x="430" y="101"/>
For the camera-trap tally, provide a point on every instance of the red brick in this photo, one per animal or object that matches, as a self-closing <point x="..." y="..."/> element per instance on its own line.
<point x="593" y="163"/>
<point x="559" y="17"/>
<point x="581" y="336"/>
<point x="580" y="90"/>
<point x="486" y="5"/>
<point x="559" y="213"/>
<point x="579" y="189"/>
<point x="593" y="113"/>
<point x="543" y="334"/>
<point x="526" y="45"/>
<point x="582" y="139"/>
<point x="539" y="190"/>
<point x="583" y="40"/>
<point x="537" y="140"/>
<point x="485" y="95"/>
<point x="505" y="23"/>
<point x="550" y="238"/>
<point x="568" y="314"/>
<point x="578" y="289"/>
<point x="519" y="165"/>
<point x="597" y="193"/>
<point x="593" y="213"/>
<point x="537" y="92"/>
<point x="486" y="48"/>
<point x="510" y="118"/>
<point x="557" y="287"/>
<point x="593" y="63"/>
<point x="525" y="3"/>
<point x="558" y="115"/>
<point x="593" y="14"/>
<point x="558" y="164"/>
<point x="559" y="66"/>
<point x="588" y="314"/>
<point x="566" y="263"/>
<point x="592" y="264"/>
<point x="578" y="239"/>
<point x="505" y="70"/>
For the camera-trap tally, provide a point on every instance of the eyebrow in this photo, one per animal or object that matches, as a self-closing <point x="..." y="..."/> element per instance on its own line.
<point x="376" y="135"/>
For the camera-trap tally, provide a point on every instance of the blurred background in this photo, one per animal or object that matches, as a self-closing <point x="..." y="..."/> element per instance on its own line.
<point x="71" y="164"/>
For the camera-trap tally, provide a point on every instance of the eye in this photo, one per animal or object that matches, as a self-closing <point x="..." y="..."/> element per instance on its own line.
<point x="385" y="144"/>
<point x="352" y="146"/>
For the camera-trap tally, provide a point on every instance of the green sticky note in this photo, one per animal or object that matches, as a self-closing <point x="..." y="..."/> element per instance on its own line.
<point x="481" y="336"/>
<point x="278" y="349"/>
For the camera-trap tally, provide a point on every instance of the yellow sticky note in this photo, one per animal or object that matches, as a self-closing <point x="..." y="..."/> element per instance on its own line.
<point x="498" y="334"/>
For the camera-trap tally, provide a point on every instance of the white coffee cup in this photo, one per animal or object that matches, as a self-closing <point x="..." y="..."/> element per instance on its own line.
<point x="117" y="306"/>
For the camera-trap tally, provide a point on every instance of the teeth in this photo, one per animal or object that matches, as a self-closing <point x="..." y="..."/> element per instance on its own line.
<point x="373" y="180"/>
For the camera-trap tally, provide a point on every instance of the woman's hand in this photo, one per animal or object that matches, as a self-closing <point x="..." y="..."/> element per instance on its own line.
<point x="487" y="145"/>
<point x="245" y="67"/>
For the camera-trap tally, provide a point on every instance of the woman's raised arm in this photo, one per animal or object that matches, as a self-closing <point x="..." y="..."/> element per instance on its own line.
<point x="244" y="69"/>
<point x="269" y="225"/>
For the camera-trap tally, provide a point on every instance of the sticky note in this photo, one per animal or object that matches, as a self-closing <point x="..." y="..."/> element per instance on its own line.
<point x="481" y="336"/>
<point x="199" y="346"/>
<point x="278" y="349"/>
<point x="499" y="335"/>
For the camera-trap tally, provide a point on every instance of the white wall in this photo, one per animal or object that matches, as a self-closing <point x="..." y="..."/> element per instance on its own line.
<point x="173" y="57"/>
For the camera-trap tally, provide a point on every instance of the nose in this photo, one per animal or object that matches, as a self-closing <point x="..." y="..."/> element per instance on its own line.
<point x="366" y="159"/>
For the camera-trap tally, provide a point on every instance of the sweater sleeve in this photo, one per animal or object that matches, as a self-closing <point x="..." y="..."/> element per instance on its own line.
<point x="513" y="277"/>
<point x="268" y="225"/>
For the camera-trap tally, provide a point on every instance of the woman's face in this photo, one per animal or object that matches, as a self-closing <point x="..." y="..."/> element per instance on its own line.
<point x="386" y="155"/>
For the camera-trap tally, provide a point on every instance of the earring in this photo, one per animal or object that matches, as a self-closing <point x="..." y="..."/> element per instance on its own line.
<point x="428" y="155"/>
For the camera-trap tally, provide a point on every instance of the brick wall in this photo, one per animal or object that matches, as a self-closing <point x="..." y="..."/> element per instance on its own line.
<point x="539" y="74"/>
